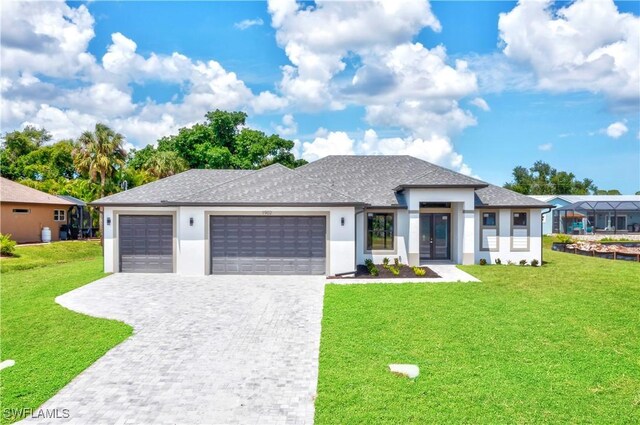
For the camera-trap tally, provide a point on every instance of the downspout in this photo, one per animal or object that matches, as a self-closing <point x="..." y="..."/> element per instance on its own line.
<point x="542" y="235"/>
<point x="355" y="236"/>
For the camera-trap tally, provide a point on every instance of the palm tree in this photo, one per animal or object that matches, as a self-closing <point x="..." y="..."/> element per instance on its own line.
<point x="99" y="154"/>
<point x="165" y="163"/>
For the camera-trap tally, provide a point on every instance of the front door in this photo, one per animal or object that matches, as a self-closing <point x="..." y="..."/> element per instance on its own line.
<point x="435" y="230"/>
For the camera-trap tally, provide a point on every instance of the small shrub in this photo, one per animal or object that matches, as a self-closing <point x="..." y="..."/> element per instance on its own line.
<point x="534" y="263"/>
<point x="368" y="263"/>
<point x="483" y="262"/>
<point x="394" y="270"/>
<point x="498" y="261"/>
<point x="374" y="271"/>
<point x="523" y="262"/>
<point x="419" y="271"/>
<point x="7" y="245"/>
<point x="385" y="261"/>
<point x="509" y="263"/>
<point x="564" y="239"/>
<point x="396" y="262"/>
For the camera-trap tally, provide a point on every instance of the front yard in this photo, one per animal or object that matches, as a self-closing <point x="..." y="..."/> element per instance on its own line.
<point x="50" y="344"/>
<point x="557" y="344"/>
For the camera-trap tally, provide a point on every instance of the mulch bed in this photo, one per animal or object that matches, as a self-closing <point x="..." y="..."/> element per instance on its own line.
<point x="405" y="273"/>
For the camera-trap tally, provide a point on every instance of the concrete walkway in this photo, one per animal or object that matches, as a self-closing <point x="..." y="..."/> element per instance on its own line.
<point x="214" y="350"/>
<point x="448" y="273"/>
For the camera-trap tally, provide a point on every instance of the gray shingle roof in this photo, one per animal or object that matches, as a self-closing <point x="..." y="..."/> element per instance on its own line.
<point x="495" y="196"/>
<point x="274" y="184"/>
<point x="172" y="188"/>
<point x="373" y="179"/>
<point x="343" y="180"/>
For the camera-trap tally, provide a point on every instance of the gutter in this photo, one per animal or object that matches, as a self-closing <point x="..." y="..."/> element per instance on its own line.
<point x="355" y="236"/>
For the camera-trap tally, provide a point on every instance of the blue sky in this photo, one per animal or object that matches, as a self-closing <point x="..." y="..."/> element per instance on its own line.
<point x="487" y="101"/>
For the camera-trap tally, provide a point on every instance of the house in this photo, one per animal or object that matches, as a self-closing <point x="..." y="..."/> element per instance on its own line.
<point x="26" y="211"/>
<point x="322" y="218"/>
<point x="591" y="214"/>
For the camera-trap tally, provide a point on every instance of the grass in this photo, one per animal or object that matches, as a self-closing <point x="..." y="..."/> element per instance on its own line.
<point x="32" y="256"/>
<point x="553" y="344"/>
<point x="50" y="344"/>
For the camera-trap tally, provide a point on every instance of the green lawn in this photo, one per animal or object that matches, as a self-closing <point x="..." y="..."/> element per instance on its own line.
<point x="556" y="344"/>
<point x="50" y="344"/>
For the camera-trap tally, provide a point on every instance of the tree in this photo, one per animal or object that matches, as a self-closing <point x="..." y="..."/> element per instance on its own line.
<point x="638" y="192"/>
<point x="18" y="144"/>
<point x="99" y="154"/>
<point x="609" y="192"/>
<point x="165" y="163"/>
<point x="542" y="179"/>
<point x="223" y="141"/>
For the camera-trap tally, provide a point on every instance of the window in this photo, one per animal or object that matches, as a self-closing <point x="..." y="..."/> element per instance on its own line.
<point x="489" y="219"/>
<point x="489" y="234"/>
<point x="21" y="210"/>
<point x="379" y="231"/>
<point x="59" y="215"/>
<point x="519" y="219"/>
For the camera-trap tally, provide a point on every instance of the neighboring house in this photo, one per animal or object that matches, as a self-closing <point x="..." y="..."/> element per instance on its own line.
<point x="322" y="218"/>
<point x="25" y="211"/>
<point x="603" y="213"/>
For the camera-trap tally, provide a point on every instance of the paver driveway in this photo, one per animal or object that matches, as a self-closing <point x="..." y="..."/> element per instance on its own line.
<point x="236" y="349"/>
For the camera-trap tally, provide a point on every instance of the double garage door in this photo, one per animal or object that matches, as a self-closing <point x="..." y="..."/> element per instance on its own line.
<point x="238" y="244"/>
<point x="268" y="245"/>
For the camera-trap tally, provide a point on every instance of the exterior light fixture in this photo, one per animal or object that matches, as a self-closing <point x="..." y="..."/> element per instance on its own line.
<point x="190" y="221"/>
<point x="342" y="221"/>
<point x="108" y="221"/>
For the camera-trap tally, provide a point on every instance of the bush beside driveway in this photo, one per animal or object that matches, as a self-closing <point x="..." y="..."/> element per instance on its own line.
<point x="50" y="344"/>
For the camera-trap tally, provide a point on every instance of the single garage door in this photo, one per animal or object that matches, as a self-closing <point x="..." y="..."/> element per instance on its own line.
<point x="268" y="245"/>
<point x="146" y="243"/>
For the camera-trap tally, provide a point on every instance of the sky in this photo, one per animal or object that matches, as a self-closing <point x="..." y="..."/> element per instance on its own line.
<point x="479" y="87"/>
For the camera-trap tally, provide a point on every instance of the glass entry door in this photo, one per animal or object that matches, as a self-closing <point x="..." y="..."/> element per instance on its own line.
<point x="435" y="230"/>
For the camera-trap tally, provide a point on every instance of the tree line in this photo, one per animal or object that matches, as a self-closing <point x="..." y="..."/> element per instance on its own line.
<point x="543" y="179"/>
<point x="96" y="164"/>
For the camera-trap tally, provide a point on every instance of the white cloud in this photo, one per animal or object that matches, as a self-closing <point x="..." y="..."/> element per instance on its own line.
<point x="50" y="39"/>
<point x="436" y="149"/>
<point x="587" y="45"/>
<point x="401" y="84"/>
<point x="289" y="126"/>
<point x="616" y="130"/>
<point x="45" y="37"/>
<point x="480" y="103"/>
<point x="317" y="40"/>
<point x="334" y="143"/>
<point x="545" y="147"/>
<point x="248" y="23"/>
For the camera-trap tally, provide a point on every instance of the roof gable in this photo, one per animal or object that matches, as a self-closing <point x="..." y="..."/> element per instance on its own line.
<point x="11" y="191"/>
<point x="374" y="179"/>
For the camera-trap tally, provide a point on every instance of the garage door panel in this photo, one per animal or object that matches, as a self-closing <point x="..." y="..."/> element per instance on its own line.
<point x="146" y="243"/>
<point x="268" y="244"/>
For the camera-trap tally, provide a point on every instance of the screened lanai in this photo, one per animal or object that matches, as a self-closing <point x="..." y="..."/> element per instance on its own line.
<point x="588" y="217"/>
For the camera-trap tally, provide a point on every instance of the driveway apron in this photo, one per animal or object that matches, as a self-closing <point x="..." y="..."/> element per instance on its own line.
<point x="210" y="350"/>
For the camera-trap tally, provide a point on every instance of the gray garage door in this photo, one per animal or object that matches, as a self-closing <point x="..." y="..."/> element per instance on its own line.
<point x="267" y="245"/>
<point x="146" y="243"/>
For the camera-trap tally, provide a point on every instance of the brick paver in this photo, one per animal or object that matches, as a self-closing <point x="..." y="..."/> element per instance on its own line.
<point x="211" y="350"/>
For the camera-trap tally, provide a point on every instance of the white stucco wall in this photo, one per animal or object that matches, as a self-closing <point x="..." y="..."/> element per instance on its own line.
<point x="463" y="217"/>
<point x="192" y="241"/>
<point x="505" y="252"/>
